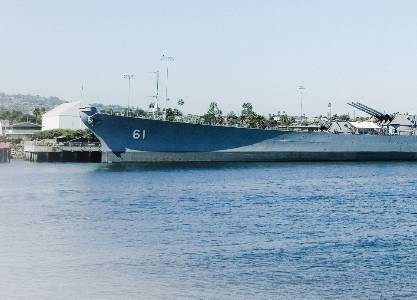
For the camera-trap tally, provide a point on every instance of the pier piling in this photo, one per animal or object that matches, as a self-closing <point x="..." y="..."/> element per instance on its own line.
<point x="5" y="153"/>
<point x="62" y="153"/>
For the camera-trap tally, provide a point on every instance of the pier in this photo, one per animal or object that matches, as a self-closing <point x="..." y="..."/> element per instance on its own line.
<point x="4" y="153"/>
<point x="68" y="152"/>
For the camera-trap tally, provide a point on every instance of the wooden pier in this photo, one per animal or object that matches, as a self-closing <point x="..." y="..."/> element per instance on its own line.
<point x="69" y="152"/>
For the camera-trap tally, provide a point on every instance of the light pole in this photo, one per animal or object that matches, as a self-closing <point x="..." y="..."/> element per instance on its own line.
<point x="82" y="92"/>
<point x="129" y="77"/>
<point x="301" y="89"/>
<point x="167" y="59"/>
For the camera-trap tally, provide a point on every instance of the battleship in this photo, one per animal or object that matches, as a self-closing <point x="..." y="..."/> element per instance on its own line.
<point x="136" y="139"/>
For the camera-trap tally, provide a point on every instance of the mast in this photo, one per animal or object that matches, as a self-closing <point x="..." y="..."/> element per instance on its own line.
<point x="157" y="90"/>
<point x="301" y="88"/>
<point x="156" y="96"/>
<point x="167" y="59"/>
<point x="129" y="77"/>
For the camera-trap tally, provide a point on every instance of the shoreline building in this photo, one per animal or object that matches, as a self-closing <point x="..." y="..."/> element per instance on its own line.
<point x="4" y="124"/>
<point x="364" y="127"/>
<point x="64" y="116"/>
<point x="403" y="124"/>
<point x="22" y="130"/>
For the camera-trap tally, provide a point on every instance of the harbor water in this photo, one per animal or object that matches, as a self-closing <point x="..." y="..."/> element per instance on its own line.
<point x="208" y="231"/>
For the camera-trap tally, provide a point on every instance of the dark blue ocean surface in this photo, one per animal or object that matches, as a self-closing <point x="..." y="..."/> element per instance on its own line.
<point x="221" y="231"/>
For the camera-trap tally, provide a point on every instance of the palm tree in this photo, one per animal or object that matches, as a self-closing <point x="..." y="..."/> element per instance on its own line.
<point x="214" y="115"/>
<point x="38" y="114"/>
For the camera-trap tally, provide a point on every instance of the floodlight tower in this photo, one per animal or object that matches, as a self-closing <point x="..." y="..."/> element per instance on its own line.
<point x="301" y="89"/>
<point x="129" y="77"/>
<point x="82" y="94"/>
<point x="330" y="110"/>
<point x="167" y="59"/>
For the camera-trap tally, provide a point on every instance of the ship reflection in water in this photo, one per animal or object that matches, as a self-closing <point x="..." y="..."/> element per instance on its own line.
<point x="208" y="231"/>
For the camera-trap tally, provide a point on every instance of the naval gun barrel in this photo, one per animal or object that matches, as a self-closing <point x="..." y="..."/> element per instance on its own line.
<point x="366" y="109"/>
<point x="373" y="112"/>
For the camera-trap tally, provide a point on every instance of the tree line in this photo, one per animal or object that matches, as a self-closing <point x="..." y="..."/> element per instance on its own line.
<point x="15" y="116"/>
<point x="214" y="116"/>
<point x="65" y="134"/>
<point x="247" y="118"/>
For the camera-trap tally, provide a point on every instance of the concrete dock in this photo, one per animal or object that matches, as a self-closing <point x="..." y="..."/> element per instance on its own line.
<point x="68" y="152"/>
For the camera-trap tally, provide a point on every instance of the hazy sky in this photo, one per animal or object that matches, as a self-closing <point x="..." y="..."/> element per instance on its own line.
<point x="227" y="51"/>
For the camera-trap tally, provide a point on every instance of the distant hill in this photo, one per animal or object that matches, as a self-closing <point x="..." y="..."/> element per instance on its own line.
<point x="26" y="103"/>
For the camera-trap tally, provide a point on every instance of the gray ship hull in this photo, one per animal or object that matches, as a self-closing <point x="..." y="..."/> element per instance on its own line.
<point x="131" y="139"/>
<point x="141" y="156"/>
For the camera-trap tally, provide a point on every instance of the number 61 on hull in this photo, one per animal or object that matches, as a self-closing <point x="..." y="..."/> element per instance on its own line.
<point x="138" y="134"/>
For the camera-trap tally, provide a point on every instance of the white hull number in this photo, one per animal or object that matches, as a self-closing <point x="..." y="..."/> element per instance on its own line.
<point x="139" y="134"/>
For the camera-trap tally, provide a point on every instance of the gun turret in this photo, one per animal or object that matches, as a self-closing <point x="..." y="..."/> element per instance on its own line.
<point x="373" y="112"/>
